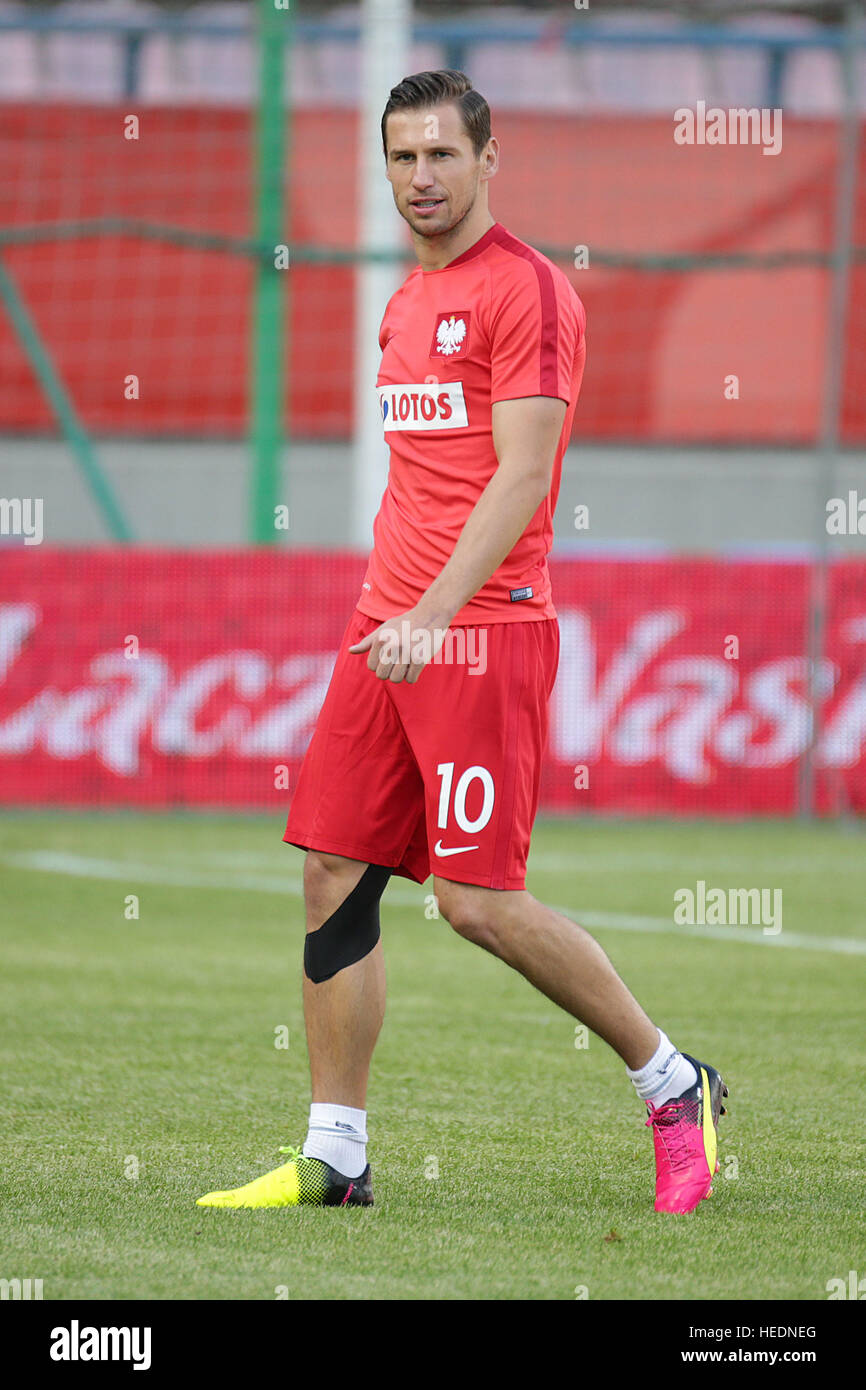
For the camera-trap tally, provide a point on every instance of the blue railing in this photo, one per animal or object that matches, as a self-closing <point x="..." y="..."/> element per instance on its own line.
<point x="455" y="35"/>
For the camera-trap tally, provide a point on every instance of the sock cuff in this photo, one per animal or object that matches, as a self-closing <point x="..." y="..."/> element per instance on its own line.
<point x="664" y="1050"/>
<point x="342" y="1121"/>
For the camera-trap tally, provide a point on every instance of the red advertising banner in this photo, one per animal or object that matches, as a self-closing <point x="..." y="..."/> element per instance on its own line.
<point x="164" y="679"/>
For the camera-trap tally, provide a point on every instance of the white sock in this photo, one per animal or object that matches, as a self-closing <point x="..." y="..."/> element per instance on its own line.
<point x="338" y="1135"/>
<point x="666" y="1075"/>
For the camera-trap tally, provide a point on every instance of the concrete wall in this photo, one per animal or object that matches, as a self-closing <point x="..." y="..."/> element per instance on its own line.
<point x="679" y="499"/>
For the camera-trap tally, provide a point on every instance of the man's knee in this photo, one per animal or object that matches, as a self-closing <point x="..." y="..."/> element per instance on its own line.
<point x="328" y="879"/>
<point x="467" y="909"/>
<point x="342" y="897"/>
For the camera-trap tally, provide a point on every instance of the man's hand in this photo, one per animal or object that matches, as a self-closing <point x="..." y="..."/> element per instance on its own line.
<point x="402" y="646"/>
<point x="526" y="433"/>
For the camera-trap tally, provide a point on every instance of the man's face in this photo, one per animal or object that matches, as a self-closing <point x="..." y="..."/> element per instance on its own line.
<point x="432" y="168"/>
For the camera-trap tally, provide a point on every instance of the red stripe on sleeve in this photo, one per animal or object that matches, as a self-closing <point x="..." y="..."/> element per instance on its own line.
<point x="548" y="348"/>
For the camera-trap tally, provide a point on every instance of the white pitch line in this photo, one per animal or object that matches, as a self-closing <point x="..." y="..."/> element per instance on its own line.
<point x="79" y="866"/>
<point x="703" y="864"/>
<point x="50" y="861"/>
<point x="550" y="861"/>
<point x="753" y="936"/>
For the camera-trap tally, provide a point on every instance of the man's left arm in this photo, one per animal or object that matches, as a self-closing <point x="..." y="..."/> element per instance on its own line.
<point x="525" y="436"/>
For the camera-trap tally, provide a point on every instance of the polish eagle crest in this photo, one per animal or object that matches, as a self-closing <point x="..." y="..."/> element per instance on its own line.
<point x="450" y="335"/>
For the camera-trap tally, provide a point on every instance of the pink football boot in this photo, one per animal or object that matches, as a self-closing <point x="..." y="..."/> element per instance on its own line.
<point x="684" y="1133"/>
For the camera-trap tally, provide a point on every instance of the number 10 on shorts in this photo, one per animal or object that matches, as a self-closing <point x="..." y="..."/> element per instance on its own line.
<point x="464" y="782"/>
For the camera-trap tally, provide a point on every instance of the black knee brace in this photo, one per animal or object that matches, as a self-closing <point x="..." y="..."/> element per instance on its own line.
<point x="351" y="932"/>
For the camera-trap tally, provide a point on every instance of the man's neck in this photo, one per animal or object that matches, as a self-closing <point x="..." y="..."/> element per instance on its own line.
<point x="435" y="253"/>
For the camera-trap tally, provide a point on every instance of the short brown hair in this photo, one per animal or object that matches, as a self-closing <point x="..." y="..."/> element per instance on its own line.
<point x="425" y="89"/>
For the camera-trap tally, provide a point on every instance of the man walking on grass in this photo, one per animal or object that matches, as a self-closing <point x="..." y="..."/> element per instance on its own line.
<point x="424" y="760"/>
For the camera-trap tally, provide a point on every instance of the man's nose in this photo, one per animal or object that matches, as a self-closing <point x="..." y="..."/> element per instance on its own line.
<point x="423" y="176"/>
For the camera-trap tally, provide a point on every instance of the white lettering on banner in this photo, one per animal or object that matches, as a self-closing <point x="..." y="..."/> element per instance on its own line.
<point x="125" y="706"/>
<point x="690" y="713"/>
<point x="586" y="701"/>
<point x="284" y="729"/>
<point x="176" y="731"/>
<point x="775" y="700"/>
<point x="420" y="406"/>
<point x="844" y="738"/>
<point x="674" y="724"/>
<point x="686" y="717"/>
<point x="109" y="717"/>
<point x="17" y="621"/>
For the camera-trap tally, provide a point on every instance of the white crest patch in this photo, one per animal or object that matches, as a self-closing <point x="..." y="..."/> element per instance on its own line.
<point x="450" y="335"/>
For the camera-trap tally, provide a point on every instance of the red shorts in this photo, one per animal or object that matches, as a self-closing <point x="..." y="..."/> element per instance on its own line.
<point x="441" y="776"/>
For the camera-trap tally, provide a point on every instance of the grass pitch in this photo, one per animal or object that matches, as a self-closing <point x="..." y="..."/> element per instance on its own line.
<point x="141" y="1068"/>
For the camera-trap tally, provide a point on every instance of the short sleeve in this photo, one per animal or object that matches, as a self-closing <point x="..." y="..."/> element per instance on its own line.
<point x="536" y="329"/>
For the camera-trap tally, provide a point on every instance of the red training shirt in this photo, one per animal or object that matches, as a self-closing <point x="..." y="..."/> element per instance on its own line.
<point x="499" y="322"/>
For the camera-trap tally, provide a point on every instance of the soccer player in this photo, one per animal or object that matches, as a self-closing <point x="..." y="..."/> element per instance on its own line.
<point x="427" y="752"/>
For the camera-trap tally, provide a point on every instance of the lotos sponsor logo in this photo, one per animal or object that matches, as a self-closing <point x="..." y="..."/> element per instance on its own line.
<point x="420" y="406"/>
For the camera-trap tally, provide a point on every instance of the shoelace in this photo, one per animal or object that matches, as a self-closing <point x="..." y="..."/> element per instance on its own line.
<point x="667" y="1121"/>
<point x="291" y="1151"/>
